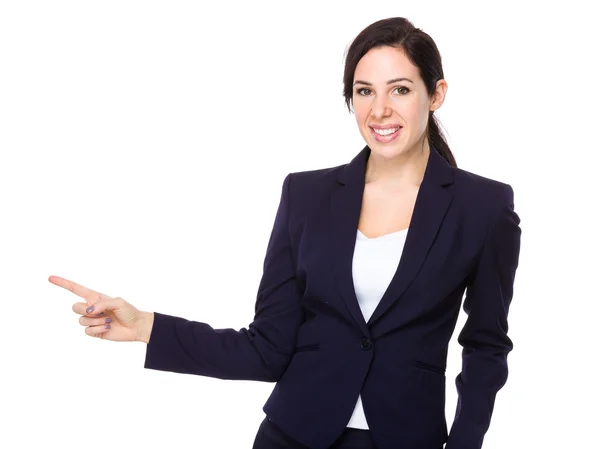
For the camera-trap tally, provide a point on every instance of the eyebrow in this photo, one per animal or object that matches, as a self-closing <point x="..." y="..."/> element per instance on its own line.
<point x="395" y="80"/>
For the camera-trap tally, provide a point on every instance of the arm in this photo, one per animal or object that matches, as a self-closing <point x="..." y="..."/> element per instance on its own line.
<point x="144" y="326"/>
<point x="484" y="336"/>
<point x="263" y="350"/>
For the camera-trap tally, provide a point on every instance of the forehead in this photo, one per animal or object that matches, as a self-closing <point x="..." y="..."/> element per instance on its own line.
<point x="384" y="63"/>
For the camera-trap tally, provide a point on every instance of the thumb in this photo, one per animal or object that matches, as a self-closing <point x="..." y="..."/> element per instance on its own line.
<point x="105" y="304"/>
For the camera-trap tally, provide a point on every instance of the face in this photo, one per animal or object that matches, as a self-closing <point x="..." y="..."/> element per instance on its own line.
<point x="391" y="103"/>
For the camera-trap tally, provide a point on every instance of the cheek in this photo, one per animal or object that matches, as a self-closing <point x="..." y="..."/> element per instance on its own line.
<point x="412" y="112"/>
<point x="361" y="111"/>
<point x="361" y="118"/>
<point x="361" y="121"/>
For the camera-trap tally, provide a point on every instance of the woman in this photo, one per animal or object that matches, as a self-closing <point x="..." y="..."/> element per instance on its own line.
<point x="363" y="279"/>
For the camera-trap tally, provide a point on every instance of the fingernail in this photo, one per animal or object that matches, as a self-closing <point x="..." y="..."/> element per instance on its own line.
<point x="108" y="320"/>
<point x="90" y="309"/>
<point x="107" y="326"/>
<point x="100" y="314"/>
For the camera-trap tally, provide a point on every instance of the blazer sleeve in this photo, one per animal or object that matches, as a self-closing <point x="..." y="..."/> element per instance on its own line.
<point x="260" y="352"/>
<point x="484" y="336"/>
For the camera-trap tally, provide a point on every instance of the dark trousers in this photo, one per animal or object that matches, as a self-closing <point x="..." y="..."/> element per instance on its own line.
<point x="270" y="436"/>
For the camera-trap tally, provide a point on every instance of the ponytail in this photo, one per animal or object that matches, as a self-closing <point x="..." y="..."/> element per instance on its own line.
<point x="437" y="139"/>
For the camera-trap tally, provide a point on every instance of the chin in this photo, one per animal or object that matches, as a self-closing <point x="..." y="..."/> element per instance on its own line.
<point x="389" y="149"/>
<point x="386" y="151"/>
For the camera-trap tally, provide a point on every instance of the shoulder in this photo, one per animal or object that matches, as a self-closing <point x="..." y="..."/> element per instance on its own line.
<point x="314" y="182"/>
<point x="486" y="194"/>
<point x="307" y="191"/>
<point x="485" y="204"/>
<point x="320" y="175"/>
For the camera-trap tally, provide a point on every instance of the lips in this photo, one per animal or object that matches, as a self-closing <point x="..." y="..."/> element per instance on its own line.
<point x="389" y="125"/>
<point x="386" y="131"/>
<point x="388" y="135"/>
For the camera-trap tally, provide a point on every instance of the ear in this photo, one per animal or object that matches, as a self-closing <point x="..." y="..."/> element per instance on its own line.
<point x="438" y="97"/>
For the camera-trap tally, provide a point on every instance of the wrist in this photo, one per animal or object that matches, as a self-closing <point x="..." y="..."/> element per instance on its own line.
<point x="144" y="327"/>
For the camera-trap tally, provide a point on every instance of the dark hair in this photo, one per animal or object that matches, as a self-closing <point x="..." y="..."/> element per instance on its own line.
<point x="420" y="49"/>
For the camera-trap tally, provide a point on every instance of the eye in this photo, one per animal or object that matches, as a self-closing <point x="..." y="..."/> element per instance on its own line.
<point x="365" y="91"/>
<point x="402" y="87"/>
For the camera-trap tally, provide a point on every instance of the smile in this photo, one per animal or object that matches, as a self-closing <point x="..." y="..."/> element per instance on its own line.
<point x="385" y="135"/>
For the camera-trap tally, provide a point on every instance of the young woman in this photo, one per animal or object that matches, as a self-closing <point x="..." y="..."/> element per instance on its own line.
<point x="363" y="279"/>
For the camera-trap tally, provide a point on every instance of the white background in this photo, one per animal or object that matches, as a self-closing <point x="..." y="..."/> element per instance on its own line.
<point x="143" y="146"/>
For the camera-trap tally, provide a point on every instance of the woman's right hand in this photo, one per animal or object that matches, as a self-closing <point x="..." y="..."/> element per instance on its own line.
<point x="120" y="321"/>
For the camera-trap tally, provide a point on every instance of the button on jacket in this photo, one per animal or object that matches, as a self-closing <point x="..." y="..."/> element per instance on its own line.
<point x="309" y="336"/>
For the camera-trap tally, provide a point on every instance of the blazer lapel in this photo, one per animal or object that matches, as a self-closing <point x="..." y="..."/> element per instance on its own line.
<point x="432" y="203"/>
<point x="345" y="205"/>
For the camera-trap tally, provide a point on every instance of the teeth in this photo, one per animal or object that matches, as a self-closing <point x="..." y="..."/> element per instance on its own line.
<point x="385" y="132"/>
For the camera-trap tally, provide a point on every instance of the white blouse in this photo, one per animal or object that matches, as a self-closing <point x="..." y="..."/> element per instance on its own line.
<point x="374" y="263"/>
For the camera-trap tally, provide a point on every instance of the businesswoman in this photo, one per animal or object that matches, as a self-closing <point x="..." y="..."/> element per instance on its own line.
<point x="363" y="279"/>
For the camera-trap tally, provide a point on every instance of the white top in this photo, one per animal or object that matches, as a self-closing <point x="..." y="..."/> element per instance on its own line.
<point x="374" y="263"/>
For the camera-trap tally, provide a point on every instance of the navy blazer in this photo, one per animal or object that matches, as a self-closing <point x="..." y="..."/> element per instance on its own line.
<point x="309" y="335"/>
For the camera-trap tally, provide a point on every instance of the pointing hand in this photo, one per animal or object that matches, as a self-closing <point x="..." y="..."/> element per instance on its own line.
<point x="105" y="317"/>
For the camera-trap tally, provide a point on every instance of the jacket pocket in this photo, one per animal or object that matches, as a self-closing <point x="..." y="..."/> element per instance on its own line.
<point x="312" y="347"/>
<point x="428" y="367"/>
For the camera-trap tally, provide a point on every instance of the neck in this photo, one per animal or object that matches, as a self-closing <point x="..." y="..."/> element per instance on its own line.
<point x="406" y="169"/>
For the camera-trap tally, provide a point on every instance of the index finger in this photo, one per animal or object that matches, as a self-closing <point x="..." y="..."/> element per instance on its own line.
<point x="89" y="295"/>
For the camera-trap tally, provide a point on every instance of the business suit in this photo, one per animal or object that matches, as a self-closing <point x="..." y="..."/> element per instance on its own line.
<point x="309" y="334"/>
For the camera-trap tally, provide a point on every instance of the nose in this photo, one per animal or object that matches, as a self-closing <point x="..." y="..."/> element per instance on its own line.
<point x="379" y="107"/>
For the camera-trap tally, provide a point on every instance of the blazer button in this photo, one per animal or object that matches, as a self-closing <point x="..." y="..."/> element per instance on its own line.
<point x="365" y="343"/>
